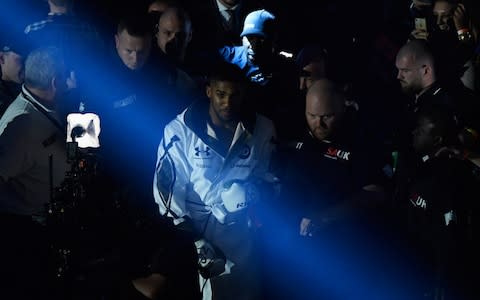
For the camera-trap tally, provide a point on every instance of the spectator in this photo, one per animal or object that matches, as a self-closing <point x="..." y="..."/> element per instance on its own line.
<point x="11" y="66"/>
<point x="421" y="19"/>
<point x="452" y="34"/>
<point x="456" y="38"/>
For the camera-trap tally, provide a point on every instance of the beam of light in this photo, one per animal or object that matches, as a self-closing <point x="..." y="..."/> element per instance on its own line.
<point x="129" y="136"/>
<point x="357" y="265"/>
<point x="16" y="15"/>
<point x="328" y="267"/>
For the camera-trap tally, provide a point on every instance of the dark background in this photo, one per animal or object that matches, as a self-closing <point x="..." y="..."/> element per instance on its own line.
<point x="301" y="21"/>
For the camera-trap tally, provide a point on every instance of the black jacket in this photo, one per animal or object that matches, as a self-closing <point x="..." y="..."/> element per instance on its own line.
<point x="8" y="92"/>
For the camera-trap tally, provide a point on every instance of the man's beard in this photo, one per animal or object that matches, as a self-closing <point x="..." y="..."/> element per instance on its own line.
<point x="411" y="89"/>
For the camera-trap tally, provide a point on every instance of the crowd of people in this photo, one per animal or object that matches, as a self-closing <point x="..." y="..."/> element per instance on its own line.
<point x="234" y="160"/>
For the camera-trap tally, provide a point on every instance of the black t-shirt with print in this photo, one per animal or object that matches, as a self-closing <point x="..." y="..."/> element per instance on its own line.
<point x="317" y="174"/>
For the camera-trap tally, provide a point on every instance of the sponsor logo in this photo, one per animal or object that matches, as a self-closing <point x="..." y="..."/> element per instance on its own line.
<point x="203" y="166"/>
<point x="202" y="153"/>
<point x="245" y="153"/>
<point x="418" y="201"/>
<point x="242" y="165"/>
<point x="242" y="205"/>
<point x="337" y="154"/>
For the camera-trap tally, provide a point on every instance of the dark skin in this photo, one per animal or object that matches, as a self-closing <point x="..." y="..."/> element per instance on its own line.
<point x="425" y="139"/>
<point x="225" y="102"/>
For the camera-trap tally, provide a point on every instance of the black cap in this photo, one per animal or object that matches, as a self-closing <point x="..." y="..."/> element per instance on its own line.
<point x="15" y="42"/>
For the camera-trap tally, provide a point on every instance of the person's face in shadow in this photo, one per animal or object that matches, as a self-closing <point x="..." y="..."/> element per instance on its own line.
<point x="443" y="12"/>
<point x="173" y="36"/>
<point x="12" y="67"/>
<point x="259" y="49"/>
<point x="133" y="50"/>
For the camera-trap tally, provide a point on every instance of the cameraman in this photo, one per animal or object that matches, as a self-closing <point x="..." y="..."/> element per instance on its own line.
<point x="33" y="160"/>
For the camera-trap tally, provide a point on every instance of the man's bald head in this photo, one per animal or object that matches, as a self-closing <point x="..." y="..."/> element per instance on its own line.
<point x="418" y="51"/>
<point x="416" y="69"/>
<point x="326" y="92"/>
<point x="174" y="32"/>
<point x="159" y="6"/>
<point x="324" y="109"/>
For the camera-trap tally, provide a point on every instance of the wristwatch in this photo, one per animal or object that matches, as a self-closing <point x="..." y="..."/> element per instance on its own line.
<point x="464" y="35"/>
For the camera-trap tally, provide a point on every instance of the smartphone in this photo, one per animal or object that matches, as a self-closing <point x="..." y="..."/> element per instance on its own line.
<point x="421" y="24"/>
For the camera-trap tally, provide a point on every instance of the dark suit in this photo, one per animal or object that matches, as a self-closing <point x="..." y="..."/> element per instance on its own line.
<point x="210" y="28"/>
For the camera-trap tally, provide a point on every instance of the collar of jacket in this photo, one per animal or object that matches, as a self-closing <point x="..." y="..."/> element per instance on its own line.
<point x="432" y="90"/>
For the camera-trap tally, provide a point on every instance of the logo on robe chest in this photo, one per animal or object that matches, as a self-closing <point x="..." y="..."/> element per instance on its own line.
<point x="245" y="152"/>
<point x="337" y="154"/>
<point x="202" y="152"/>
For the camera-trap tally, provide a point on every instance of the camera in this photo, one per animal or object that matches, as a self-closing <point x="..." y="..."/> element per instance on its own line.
<point x="71" y="209"/>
